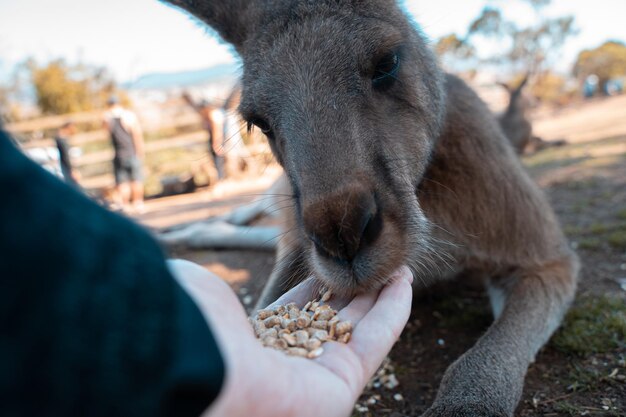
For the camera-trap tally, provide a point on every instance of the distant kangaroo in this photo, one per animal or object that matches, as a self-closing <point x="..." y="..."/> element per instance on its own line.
<point x="516" y="126"/>
<point x="513" y="121"/>
<point x="391" y="161"/>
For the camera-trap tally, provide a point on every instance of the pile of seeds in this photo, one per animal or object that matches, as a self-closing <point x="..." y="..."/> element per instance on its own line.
<point x="301" y="332"/>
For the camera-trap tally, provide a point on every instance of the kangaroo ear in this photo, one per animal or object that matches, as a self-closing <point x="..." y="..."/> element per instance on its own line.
<point x="524" y="82"/>
<point x="230" y="18"/>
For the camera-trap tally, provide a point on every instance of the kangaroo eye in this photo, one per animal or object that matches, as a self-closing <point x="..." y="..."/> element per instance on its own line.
<point x="261" y="124"/>
<point x="386" y="72"/>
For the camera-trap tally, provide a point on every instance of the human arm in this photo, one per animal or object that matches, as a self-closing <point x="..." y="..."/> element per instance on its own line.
<point x="92" y="321"/>
<point x="138" y="138"/>
<point x="264" y="382"/>
<point x="217" y="131"/>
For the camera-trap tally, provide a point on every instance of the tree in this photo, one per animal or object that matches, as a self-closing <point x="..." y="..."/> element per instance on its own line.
<point x="606" y="61"/>
<point x="528" y="49"/>
<point x="61" y="88"/>
<point x="551" y="88"/>
<point x="520" y="49"/>
<point x="453" y="46"/>
<point x="8" y="109"/>
<point x="490" y="22"/>
<point x="535" y="47"/>
<point x="4" y="94"/>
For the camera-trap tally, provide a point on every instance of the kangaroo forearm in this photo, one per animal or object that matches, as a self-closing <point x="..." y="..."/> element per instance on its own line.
<point x="492" y="372"/>
<point x="290" y="270"/>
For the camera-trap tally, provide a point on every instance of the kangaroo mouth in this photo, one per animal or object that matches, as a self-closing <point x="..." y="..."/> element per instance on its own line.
<point x="357" y="234"/>
<point x="371" y="266"/>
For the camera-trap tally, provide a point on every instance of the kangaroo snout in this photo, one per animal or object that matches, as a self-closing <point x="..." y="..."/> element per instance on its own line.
<point x="343" y="222"/>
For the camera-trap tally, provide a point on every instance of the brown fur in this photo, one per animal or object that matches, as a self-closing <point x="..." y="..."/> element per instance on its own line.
<point x="514" y="121"/>
<point x="516" y="125"/>
<point x="419" y="172"/>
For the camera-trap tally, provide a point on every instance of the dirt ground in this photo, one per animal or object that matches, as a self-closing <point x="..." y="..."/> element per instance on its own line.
<point x="586" y="183"/>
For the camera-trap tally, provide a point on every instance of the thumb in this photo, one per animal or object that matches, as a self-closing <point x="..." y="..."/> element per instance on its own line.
<point x="216" y="300"/>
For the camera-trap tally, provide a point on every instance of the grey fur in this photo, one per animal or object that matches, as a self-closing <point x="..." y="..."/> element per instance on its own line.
<point x="426" y="156"/>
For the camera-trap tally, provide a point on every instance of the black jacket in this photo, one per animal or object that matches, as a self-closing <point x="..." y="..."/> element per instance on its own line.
<point x="91" y="321"/>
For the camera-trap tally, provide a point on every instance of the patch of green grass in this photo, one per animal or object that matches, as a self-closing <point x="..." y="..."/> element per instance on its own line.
<point x="581" y="379"/>
<point x="621" y="214"/>
<point x="617" y="239"/>
<point x="606" y="195"/>
<point x="601" y="162"/>
<point x="594" y="325"/>
<point x="598" y="228"/>
<point x="573" y="230"/>
<point x="568" y="408"/>
<point x="580" y="207"/>
<point x="590" y="243"/>
<point x="594" y="236"/>
<point x="581" y="184"/>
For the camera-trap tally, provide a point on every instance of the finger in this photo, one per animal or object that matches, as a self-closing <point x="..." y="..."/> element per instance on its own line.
<point x="362" y="304"/>
<point x="382" y="325"/>
<point x="358" y="307"/>
<point x="375" y="335"/>
<point x="212" y="295"/>
<point x="338" y="303"/>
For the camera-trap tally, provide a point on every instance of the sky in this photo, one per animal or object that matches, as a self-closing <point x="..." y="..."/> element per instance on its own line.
<point x="136" y="37"/>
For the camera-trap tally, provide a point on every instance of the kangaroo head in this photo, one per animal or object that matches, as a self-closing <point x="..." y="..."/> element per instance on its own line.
<point x="517" y="101"/>
<point x="351" y="101"/>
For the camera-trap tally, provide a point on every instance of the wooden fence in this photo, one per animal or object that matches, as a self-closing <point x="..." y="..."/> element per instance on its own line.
<point x="178" y="132"/>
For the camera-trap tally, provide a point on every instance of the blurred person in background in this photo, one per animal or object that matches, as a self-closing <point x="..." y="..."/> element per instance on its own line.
<point x="62" y="138"/>
<point x="238" y="157"/>
<point x="128" y="142"/>
<point x="614" y="87"/>
<point x="590" y="86"/>
<point x="213" y="123"/>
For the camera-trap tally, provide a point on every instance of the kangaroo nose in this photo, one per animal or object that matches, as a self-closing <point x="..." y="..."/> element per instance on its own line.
<point x="343" y="222"/>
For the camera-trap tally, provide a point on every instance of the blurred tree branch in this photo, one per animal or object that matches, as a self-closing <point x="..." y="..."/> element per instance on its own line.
<point x="496" y="40"/>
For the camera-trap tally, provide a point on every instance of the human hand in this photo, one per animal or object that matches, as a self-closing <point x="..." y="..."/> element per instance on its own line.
<point x="265" y="382"/>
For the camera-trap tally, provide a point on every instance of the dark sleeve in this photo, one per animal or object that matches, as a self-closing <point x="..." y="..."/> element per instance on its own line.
<point x="91" y="321"/>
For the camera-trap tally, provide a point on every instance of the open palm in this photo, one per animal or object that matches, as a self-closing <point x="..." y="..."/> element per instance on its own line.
<point x="264" y="382"/>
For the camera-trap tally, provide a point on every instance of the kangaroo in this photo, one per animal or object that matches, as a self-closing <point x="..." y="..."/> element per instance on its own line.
<point x="516" y="125"/>
<point x="390" y="161"/>
<point x="513" y="121"/>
